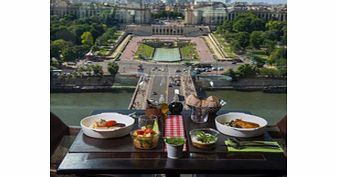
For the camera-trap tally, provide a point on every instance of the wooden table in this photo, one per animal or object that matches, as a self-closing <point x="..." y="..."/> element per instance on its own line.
<point x="95" y="156"/>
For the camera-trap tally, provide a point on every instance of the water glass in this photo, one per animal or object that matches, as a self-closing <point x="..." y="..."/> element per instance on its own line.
<point x="199" y="114"/>
<point x="145" y="121"/>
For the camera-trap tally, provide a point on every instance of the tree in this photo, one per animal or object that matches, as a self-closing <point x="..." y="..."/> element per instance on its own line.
<point x="113" y="68"/>
<point x="247" y="70"/>
<point x="269" y="72"/>
<point x="87" y="39"/>
<point x="231" y="73"/>
<point x="66" y="35"/>
<point x="235" y="45"/>
<point x="57" y="46"/>
<point x="248" y="22"/>
<point x="80" y="50"/>
<point x="243" y="39"/>
<point x="269" y="45"/>
<point x="97" y="69"/>
<point x="279" y="57"/>
<point x="69" y="54"/>
<point x="256" y="39"/>
<point x="278" y="26"/>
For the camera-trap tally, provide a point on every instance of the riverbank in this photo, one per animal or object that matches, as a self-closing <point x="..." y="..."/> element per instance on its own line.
<point x="267" y="85"/>
<point x="94" y="84"/>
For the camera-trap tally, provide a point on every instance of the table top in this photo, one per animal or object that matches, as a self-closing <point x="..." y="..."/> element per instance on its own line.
<point x="88" y="155"/>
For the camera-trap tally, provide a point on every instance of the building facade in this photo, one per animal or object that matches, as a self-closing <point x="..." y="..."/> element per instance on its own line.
<point x="122" y="14"/>
<point x="184" y="30"/>
<point x="216" y="13"/>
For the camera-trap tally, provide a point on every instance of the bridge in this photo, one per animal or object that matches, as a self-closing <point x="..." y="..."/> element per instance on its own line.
<point x="162" y="82"/>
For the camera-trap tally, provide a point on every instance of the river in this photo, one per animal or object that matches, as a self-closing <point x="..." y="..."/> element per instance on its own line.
<point x="271" y="106"/>
<point x="72" y="107"/>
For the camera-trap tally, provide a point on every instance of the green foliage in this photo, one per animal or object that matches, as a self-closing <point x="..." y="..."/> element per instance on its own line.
<point x="248" y="22"/>
<point x="113" y="68"/>
<point x="69" y="54"/>
<point x="167" y="14"/>
<point x="256" y="39"/>
<point x="269" y="45"/>
<point x="145" y="51"/>
<point x="175" y="141"/>
<point x="106" y="38"/>
<point x="279" y="57"/>
<point x="97" y="69"/>
<point x="269" y="72"/>
<point x="66" y="35"/>
<point x="87" y="38"/>
<point x="57" y="46"/>
<point x="231" y="73"/>
<point x="243" y="39"/>
<point x="247" y="70"/>
<point x="189" y="52"/>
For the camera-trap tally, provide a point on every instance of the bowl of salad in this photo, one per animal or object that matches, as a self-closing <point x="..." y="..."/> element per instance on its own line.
<point x="174" y="147"/>
<point x="145" y="138"/>
<point x="204" y="138"/>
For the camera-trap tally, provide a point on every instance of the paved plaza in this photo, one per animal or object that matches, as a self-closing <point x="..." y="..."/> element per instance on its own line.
<point x="204" y="53"/>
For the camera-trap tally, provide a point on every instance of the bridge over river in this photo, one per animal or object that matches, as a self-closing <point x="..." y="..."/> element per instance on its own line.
<point x="162" y="82"/>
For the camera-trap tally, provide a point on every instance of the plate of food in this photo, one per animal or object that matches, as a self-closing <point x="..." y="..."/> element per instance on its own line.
<point x="145" y="138"/>
<point x="204" y="138"/>
<point x="240" y="124"/>
<point x="107" y="125"/>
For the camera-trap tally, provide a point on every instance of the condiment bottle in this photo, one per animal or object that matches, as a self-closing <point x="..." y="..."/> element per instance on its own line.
<point x="163" y="106"/>
<point x="175" y="106"/>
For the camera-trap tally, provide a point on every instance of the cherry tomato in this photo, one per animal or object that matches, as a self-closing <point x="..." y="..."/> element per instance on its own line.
<point x="140" y="132"/>
<point x="110" y="123"/>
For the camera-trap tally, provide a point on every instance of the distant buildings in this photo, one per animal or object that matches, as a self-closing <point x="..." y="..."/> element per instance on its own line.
<point x="201" y="13"/>
<point x="216" y="13"/>
<point x="131" y="12"/>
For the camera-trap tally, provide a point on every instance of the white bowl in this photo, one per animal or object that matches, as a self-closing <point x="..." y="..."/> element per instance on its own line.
<point x="240" y="132"/>
<point x="87" y="122"/>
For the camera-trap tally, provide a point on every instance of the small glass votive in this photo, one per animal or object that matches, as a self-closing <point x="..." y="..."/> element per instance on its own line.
<point x="199" y="114"/>
<point x="145" y="121"/>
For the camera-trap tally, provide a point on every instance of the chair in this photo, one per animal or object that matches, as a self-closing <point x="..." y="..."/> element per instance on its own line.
<point x="61" y="137"/>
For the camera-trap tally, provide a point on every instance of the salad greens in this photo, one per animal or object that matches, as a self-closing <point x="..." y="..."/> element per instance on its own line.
<point x="205" y="137"/>
<point x="175" y="141"/>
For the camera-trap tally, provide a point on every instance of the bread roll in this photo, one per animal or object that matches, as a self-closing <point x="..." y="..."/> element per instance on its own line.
<point x="193" y="100"/>
<point x="204" y="103"/>
<point x="213" y="101"/>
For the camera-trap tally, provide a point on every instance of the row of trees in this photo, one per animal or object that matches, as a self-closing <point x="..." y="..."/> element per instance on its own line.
<point x="167" y="14"/>
<point x="72" y="37"/>
<point x="269" y="38"/>
<point x="247" y="30"/>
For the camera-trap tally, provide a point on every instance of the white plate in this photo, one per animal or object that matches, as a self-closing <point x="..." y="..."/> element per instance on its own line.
<point x="87" y="122"/>
<point x="240" y="132"/>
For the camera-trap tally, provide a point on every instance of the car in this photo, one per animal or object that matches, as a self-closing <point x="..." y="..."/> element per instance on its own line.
<point x="220" y="68"/>
<point x="154" y="93"/>
<point x="234" y="62"/>
<point x="178" y="71"/>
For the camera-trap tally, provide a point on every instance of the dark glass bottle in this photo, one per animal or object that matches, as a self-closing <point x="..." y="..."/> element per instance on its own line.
<point x="175" y="107"/>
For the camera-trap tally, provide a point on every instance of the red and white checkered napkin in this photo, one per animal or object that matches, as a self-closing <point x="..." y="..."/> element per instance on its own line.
<point x="174" y="127"/>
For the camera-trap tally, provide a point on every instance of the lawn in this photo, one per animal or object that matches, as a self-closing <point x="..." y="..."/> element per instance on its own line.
<point x="144" y="51"/>
<point x="189" y="52"/>
<point x="104" y="52"/>
<point x="227" y="49"/>
<point x="258" y="53"/>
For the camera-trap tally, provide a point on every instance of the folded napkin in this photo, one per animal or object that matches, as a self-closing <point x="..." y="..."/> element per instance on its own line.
<point x="174" y="127"/>
<point x="254" y="148"/>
